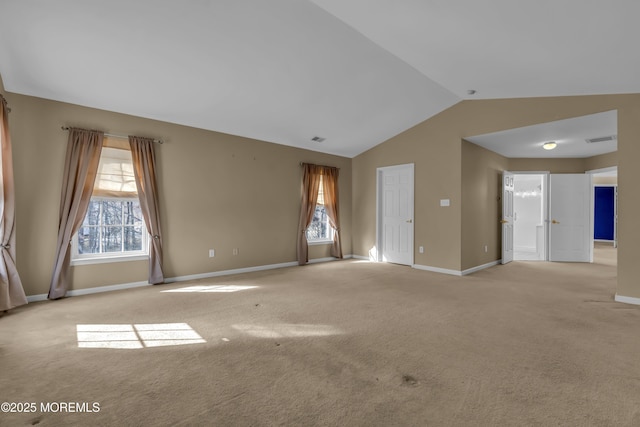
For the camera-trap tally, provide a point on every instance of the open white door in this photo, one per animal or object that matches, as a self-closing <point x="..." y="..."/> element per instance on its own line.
<point x="507" y="217"/>
<point x="570" y="231"/>
<point x="395" y="214"/>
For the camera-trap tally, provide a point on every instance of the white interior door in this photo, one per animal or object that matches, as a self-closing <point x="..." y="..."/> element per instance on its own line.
<point x="570" y="235"/>
<point x="507" y="217"/>
<point x="395" y="214"/>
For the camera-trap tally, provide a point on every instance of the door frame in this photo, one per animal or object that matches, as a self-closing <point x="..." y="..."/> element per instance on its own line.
<point x="378" y="255"/>
<point x="615" y="210"/>
<point x="545" y="206"/>
<point x="507" y="223"/>
<point x="615" y="205"/>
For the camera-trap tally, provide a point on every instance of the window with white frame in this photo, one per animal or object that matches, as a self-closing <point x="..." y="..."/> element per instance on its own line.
<point x="113" y="228"/>
<point x="320" y="230"/>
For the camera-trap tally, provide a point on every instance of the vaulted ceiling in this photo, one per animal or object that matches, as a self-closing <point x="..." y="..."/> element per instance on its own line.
<point x="355" y="72"/>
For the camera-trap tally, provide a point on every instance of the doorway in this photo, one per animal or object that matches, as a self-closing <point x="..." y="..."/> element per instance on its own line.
<point x="605" y="200"/>
<point x="546" y="217"/>
<point x="529" y="206"/>
<point x="605" y="215"/>
<point x="604" y="205"/>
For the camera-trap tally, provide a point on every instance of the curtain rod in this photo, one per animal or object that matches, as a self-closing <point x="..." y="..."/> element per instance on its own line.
<point x="303" y="163"/>
<point x="111" y="135"/>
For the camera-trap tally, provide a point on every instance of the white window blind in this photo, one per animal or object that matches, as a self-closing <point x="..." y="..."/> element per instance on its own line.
<point x="320" y="193"/>
<point x="115" y="175"/>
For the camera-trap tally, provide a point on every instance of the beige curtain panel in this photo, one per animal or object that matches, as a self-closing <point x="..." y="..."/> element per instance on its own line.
<point x="81" y="166"/>
<point x="311" y="176"/>
<point x="144" y="167"/>
<point x="330" y="184"/>
<point x="11" y="290"/>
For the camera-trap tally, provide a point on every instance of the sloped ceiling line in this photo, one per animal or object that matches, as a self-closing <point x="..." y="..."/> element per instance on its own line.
<point x="284" y="71"/>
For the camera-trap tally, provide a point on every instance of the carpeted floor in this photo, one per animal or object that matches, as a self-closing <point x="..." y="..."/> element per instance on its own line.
<point x="347" y="343"/>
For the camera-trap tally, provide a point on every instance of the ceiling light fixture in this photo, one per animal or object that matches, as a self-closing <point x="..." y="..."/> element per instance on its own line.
<point x="549" y="145"/>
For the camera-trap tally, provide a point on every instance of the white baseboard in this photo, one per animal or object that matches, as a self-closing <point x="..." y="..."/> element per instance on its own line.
<point x="229" y="272"/>
<point x="327" y="259"/>
<point x="627" y="300"/>
<point x="99" y="289"/>
<point x="456" y="272"/>
<point x="437" y="269"/>
<point x="480" y="267"/>
<point x="362" y="257"/>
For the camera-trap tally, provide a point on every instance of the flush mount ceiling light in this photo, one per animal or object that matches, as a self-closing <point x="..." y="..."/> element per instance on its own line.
<point x="549" y="145"/>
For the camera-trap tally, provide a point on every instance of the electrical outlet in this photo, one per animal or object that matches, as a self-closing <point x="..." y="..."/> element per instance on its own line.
<point x="421" y="249"/>
<point x="235" y="251"/>
<point x="212" y="253"/>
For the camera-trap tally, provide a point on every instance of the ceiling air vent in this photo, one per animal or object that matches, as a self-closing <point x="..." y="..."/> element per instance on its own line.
<point x="601" y="139"/>
<point x="318" y="139"/>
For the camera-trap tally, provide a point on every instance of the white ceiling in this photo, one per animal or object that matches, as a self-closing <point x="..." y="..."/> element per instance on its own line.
<point x="355" y="72"/>
<point x="570" y="136"/>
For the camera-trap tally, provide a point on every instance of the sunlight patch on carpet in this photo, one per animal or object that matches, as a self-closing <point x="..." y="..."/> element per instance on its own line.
<point x="136" y="336"/>
<point x="287" y="330"/>
<point x="212" y="288"/>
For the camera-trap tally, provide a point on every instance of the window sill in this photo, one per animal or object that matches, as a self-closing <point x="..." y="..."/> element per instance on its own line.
<point x="320" y="242"/>
<point x="104" y="260"/>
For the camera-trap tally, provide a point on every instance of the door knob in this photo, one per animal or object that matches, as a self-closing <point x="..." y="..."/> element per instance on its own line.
<point x="555" y="222"/>
<point x="503" y="221"/>
<point x="409" y="221"/>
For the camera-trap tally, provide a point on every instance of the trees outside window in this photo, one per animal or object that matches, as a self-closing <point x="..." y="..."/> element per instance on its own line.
<point x="112" y="226"/>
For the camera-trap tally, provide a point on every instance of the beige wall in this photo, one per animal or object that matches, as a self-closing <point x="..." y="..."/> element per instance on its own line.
<point x="605" y="180"/>
<point x="450" y="237"/>
<point x="217" y="191"/>
<point x="481" y="204"/>
<point x="548" y="165"/>
<point x="436" y="153"/>
<point x="628" y="200"/>
<point x="221" y="191"/>
<point x="482" y="185"/>
<point x="565" y="165"/>
<point x="601" y="162"/>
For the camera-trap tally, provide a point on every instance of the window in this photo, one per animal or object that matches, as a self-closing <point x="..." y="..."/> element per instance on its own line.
<point x="320" y="230"/>
<point x="113" y="228"/>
